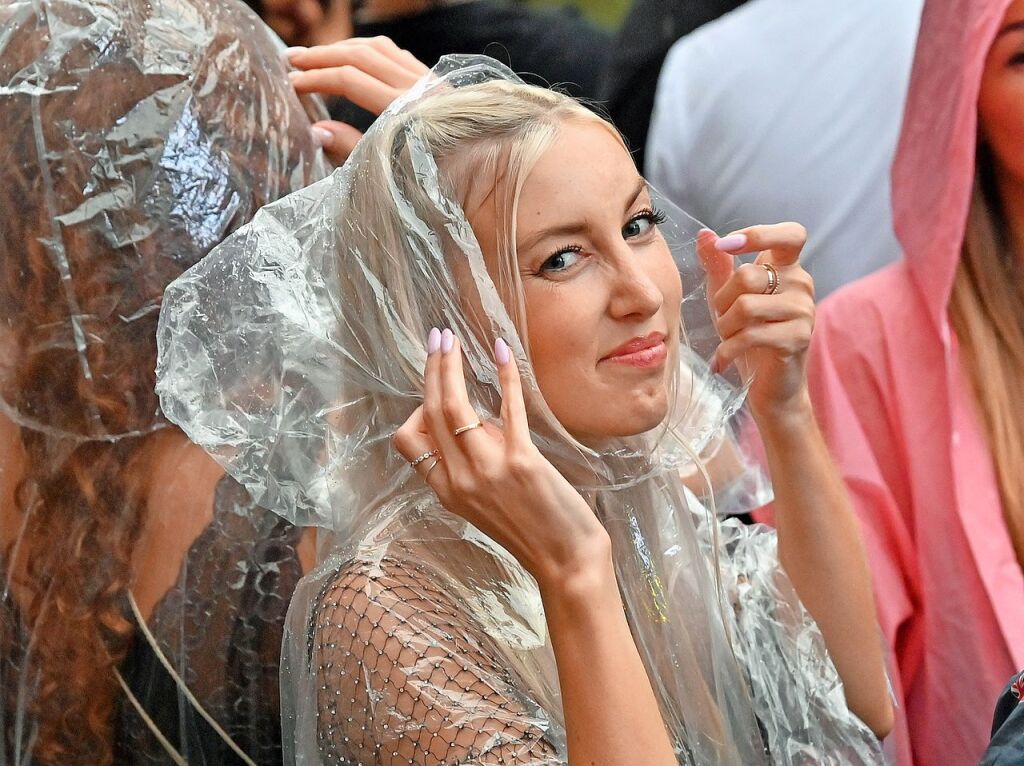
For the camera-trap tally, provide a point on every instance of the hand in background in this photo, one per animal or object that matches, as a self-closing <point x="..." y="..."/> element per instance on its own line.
<point x="369" y="72"/>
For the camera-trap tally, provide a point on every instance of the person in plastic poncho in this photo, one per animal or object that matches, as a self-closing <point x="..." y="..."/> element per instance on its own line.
<point x="916" y="373"/>
<point x="142" y="592"/>
<point x="463" y="354"/>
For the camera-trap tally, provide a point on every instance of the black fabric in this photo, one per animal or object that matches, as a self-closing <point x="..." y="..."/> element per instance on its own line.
<point x="650" y="29"/>
<point x="1007" y="746"/>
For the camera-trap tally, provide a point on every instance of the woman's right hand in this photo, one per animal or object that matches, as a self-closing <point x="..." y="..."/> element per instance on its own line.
<point x="496" y="478"/>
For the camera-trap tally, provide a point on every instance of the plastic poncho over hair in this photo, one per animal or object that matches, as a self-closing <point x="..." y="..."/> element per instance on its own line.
<point x="137" y="135"/>
<point x="296" y="350"/>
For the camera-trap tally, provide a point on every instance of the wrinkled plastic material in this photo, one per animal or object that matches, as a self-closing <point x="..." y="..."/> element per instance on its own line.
<point x="295" y="351"/>
<point x="137" y="134"/>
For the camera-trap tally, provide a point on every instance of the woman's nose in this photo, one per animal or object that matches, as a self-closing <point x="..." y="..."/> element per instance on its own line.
<point x="634" y="290"/>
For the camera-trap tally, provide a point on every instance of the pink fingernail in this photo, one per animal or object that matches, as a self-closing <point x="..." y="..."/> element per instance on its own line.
<point x="323" y="136"/>
<point x="447" y="340"/>
<point x="731" y="243"/>
<point x="433" y="341"/>
<point x="501" y="352"/>
<point x="289" y="52"/>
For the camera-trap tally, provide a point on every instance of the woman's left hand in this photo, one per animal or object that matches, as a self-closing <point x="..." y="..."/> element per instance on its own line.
<point x="765" y="333"/>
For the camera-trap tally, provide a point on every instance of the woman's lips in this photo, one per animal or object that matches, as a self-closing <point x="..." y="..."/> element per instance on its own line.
<point x="651" y="356"/>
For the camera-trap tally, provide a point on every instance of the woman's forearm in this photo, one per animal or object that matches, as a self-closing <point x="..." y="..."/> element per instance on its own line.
<point x="821" y="551"/>
<point x="611" y="714"/>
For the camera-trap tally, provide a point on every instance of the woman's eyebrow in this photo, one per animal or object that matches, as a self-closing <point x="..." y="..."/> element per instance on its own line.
<point x="576" y="227"/>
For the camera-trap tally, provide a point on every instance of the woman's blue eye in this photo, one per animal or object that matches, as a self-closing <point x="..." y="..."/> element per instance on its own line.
<point x="642" y="223"/>
<point x="562" y="260"/>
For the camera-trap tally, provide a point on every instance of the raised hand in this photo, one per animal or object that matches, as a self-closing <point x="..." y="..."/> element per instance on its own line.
<point x="764" y="312"/>
<point x="369" y="72"/>
<point x="496" y="478"/>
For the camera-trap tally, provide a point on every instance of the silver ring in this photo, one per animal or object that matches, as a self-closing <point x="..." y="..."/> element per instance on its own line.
<point x="423" y="457"/>
<point x="463" y="429"/>
<point x="774" y="280"/>
<point x="431" y="467"/>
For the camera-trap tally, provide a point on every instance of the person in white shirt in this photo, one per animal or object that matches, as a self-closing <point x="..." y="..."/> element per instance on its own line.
<point x="790" y="110"/>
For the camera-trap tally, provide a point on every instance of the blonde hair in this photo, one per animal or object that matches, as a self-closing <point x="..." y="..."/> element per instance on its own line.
<point x="987" y="313"/>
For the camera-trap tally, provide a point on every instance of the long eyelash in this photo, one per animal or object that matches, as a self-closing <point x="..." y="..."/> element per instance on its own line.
<point x="653" y="213"/>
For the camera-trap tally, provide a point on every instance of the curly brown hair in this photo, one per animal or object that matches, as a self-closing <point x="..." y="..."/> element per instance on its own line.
<point x="127" y="153"/>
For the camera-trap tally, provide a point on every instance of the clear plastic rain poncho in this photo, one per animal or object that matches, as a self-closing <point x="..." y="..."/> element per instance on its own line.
<point x="142" y="594"/>
<point x="296" y="350"/>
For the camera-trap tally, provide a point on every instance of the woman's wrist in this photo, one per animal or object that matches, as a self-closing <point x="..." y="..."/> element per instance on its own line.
<point x="786" y="420"/>
<point x="574" y="579"/>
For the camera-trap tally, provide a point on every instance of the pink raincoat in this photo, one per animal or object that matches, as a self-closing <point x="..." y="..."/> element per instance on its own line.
<point x="898" y="413"/>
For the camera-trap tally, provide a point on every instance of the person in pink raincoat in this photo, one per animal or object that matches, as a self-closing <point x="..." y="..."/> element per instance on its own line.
<point x="917" y="373"/>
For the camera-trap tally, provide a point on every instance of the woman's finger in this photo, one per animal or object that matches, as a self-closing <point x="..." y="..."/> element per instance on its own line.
<point x="413" y="443"/>
<point x="433" y="402"/>
<point x="755" y="279"/>
<point x="717" y="265"/>
<point x="778" y="243"/>
<point x="513" y="406"/>
<point x="389" y="69"/>
<point x="338" y="139"/>
<point x="750" y="309"/>
<point x="458" y="412"/>
<point x="351" y="82"/>
<point x="782" y="338"/>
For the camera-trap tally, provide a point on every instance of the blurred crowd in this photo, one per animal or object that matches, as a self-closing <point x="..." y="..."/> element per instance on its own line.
<point x="893" y="130"/>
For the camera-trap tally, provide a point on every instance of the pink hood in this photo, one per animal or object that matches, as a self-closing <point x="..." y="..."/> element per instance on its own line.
<point x="934" y="167"/>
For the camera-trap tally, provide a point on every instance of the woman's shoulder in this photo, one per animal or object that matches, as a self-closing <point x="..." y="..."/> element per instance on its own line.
<point x="385" y="593"/>
<point x="872" y="314"/>
<point x="884" y="292"/>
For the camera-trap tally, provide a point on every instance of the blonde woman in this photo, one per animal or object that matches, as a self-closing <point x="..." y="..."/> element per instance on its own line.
<point x="464" y="356"/>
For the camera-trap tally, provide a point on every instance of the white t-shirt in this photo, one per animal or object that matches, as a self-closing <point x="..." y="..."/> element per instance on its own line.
<point x="789" y="110"/>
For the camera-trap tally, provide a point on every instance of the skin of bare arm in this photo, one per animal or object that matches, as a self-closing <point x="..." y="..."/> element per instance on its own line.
<point x="820" y="546"/>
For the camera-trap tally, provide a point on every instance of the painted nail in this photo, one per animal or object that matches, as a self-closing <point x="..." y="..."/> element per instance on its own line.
<point x="289" y="52"/>
<point x="433" y="341"/>
<point x="323" y="136"/>
<point x="706" y="230"/>
<point x="731" y="243"/>
<point x="447" y="340"/>
<point x="501" y="352"/>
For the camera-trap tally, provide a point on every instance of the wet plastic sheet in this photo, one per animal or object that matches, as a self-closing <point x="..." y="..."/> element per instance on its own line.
<point x="143" y="594"/>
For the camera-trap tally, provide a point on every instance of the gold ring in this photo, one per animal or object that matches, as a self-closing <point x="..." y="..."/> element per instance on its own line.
<point x="774" y="280"/>
<point x="423" y="457"/>
<point x="431" y="467"/>
<point x="463" y="429"/>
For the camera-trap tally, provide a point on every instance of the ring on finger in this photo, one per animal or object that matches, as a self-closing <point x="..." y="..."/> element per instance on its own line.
<point x="431" y="467"/>
<point x="463" y="429"/>
<point x="423" y="457"/>
<point x="774" y="280"/>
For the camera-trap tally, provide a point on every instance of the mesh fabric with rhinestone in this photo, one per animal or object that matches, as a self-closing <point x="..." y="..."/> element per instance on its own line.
<point x="405" y="677"/>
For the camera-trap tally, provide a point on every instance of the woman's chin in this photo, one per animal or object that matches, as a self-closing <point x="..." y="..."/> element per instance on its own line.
<point x="616" y="424"/>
